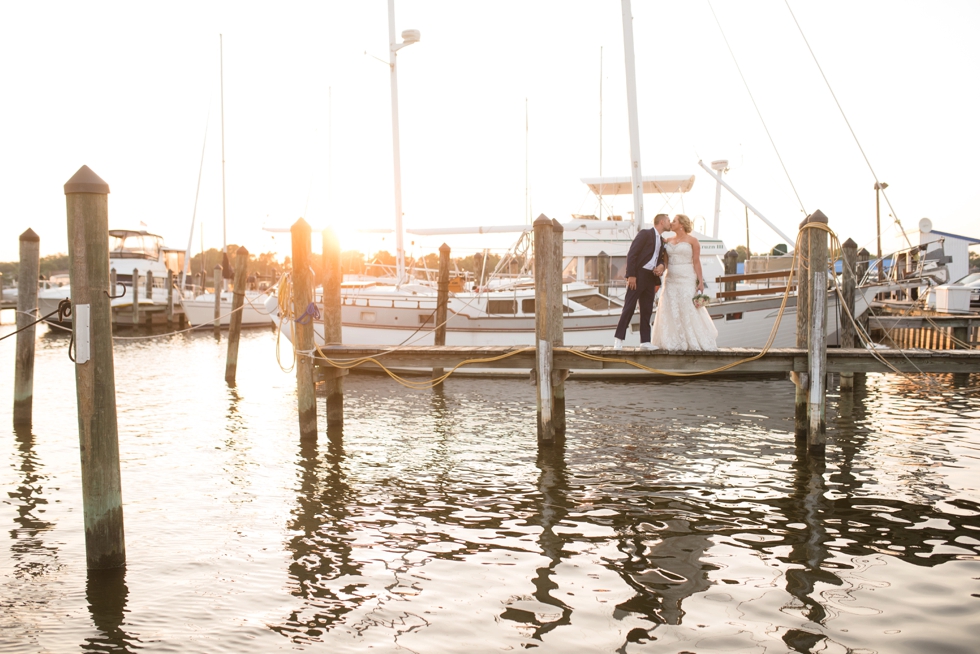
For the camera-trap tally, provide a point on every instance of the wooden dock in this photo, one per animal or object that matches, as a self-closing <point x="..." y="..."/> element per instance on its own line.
<point x="781" y="360"/>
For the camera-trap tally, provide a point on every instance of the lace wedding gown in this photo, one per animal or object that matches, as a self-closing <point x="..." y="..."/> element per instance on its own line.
<point x="678" y="324"/>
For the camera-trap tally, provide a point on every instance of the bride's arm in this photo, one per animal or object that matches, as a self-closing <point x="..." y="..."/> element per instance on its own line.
<point x="696" y="258"/>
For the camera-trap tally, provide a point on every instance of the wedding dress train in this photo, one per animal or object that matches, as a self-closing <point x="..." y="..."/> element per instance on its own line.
<point x="678" y="324"/>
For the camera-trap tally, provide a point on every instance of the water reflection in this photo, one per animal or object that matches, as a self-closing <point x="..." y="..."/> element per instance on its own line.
<point x="32" y="557"/>
<point x="106" y="593"/>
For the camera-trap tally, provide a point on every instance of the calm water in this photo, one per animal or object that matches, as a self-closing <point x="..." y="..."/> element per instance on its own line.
<point x="677" y="518"/>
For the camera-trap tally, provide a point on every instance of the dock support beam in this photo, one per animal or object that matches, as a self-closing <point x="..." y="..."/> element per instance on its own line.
<point x="816" y="440"/>
<point x="30" y="268"/>
<point x="235" y="319"/>
<point x="731" y="268"/>
<point x="135" y="286"/>
<point x="88" y="255"/>
<point x="442" y="303"/>
<point x="303" y="331"/>
<point x="556" y="322"/>
<point x="543" y="279"/>
<point x="848" y="334"/>
<point x="217" y="300"/>
<point x="333" y="330"/>
<point x="802" y="324"/>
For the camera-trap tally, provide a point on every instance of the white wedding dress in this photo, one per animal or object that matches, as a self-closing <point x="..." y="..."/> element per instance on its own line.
<point x="678" y="324"/>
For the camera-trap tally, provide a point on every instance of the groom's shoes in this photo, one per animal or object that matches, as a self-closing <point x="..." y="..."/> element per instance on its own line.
<point x="649" y="346"/>
<point x="617" y="344"/>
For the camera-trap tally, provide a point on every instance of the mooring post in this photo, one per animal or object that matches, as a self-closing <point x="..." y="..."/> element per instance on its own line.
<point x="731" y="268"/>
<point x="817" y="354"/>
<point x="543" y="279"/>
<point x="556" y="322"/>
<point x="303" y="329"/>
<point x="442" y="303"/>
<point x="218" y="284"/>
<point x="802" y="324"/>
<point x="136" y="296"/>
<point x="848" y="333"/>
<point x="170" y="296"/>
<point x="27" y="276"/>
<point x="235" y="319"/>
<point x="602" y="261"/>
<point x="862" y="269"/>
<point x="333" y="327"/>
<point x="88" y="256"/>
<point x="149" y="284"/>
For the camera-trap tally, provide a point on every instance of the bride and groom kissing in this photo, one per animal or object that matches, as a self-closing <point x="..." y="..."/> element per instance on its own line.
<point x="680" y="323"/>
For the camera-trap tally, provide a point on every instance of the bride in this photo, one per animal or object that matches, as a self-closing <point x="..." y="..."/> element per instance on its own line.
<point x="679" y="325"/>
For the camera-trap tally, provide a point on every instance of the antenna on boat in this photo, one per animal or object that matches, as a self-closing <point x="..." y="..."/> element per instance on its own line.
<point x="635" y="172"/>
<point x="408" y="38"/>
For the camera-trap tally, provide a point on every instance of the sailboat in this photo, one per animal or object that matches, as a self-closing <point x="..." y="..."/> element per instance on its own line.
<point x="201" y="309"/>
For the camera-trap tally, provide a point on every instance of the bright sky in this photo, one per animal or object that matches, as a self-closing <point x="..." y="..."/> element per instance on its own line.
<point x="127" y="88"/>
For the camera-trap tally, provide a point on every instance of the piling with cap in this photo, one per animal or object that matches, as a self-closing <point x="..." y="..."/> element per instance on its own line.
<point x="817" y="352"/>
<point x="218" y="284"/>
<point x="556" y="322"/>
<point x="848" y="334"/>
<point x="170" y="296"/>
<point x="802" y="324"/>
<point x="543" y="278"/>
<point x="602" y="261"/>
<point x="235" y="319"/>
<point x="88" y="254"/>
<point x="302" y="327"/>
<point x="333" y="327"/>
<point x="135" y="288"/>
<point x="29" y="271"/>
<point x="442" y="302"/>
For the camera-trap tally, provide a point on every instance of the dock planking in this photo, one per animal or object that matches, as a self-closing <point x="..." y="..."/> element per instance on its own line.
<point x="775" y="360"/>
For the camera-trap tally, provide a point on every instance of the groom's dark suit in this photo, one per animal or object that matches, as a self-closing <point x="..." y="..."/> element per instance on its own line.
<point x="641" y="251"/>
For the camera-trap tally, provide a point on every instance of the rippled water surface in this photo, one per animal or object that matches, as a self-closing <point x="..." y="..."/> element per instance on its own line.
<point x="677" y="517"/>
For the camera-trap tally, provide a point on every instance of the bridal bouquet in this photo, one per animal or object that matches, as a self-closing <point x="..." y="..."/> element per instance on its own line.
<point x="700" y="300"/>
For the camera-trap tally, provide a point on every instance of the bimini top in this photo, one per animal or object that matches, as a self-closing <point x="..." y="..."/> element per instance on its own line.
<point x="651" y="184"/>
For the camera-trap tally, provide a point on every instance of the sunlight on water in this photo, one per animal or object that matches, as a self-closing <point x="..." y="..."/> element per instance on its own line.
<point x="677" y="518"/>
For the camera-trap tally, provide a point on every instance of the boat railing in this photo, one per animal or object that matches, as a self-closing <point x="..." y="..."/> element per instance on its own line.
<point x="767" y="278"/>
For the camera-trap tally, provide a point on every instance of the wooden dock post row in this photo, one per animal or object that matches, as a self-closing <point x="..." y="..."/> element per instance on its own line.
<point x="235" y="319"/>
<point x="29" y="271"/>
<point x="88" y="254"/>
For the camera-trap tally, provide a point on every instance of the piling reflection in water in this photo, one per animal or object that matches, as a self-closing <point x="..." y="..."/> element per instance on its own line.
<point x="106" y="593"/>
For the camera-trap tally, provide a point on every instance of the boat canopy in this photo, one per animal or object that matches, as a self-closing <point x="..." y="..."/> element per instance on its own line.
<point x="651" y="184"/>
<point x="130" y="244"/>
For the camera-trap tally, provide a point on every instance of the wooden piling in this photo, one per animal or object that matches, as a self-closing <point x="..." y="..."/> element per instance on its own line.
<point x="135" y="286"/>
<point x="543" y="278"/>
<point x="218" y="283"/>
<point x="170" y="296"/>
<point x="802" y="324"/>
<point x="235" y="319"/>
<point x="848" y="335"/>
<point x="442" y="303"/>
<point x="303" y="329"/>
<point x="731" y="268"/>
<point x="556" y="323"/>
<point x="817" y="351"/>
<point x="333" y="327"/>
<point x="603" y="272"/>
<point x="27" y="276"/>
<point x="88" y="254"/>
<point x="149" y="284"/>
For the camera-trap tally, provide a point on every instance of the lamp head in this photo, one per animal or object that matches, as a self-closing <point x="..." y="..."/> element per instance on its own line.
<point x="881" y="186"/>
<point x="411" y="36"/>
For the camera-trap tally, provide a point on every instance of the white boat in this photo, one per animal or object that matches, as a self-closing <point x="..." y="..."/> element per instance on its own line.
<point x="135" y="256"/>
<point x="200" y="309"/>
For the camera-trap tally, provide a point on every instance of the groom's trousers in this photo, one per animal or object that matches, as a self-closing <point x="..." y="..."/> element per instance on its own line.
<point x="646" y="289"/>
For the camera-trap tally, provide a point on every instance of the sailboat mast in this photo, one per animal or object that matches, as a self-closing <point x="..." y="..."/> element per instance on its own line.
<point x="197" y="194"/>
<point x="636" y="174"/>
<point x="224" y="227"/>
<point x="600" y="131"/>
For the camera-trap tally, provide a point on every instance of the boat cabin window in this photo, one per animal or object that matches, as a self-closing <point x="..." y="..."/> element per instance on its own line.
<point x="502" y="307"/>
<point x="134" y="245"/>
<point x="368" y="316"/>
<point x="598" y="302"/>
<point x="527" y="306"/>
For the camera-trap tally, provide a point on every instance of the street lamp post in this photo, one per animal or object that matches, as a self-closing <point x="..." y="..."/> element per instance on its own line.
<point x="408" y="38"/>
<point x="879" y="187"/>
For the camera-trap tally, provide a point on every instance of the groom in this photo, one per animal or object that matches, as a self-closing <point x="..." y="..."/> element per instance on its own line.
<point x="645" y="263"/>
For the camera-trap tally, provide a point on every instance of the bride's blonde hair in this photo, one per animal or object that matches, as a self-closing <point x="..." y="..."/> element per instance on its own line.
<point x="685" y="223"/>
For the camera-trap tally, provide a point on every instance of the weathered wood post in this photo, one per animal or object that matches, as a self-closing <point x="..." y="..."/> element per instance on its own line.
<point x="862" y="269"/>
<point x="218" y="283"/>
<point x="88" y="254"/>
<point x="135" y="286"/>
<point x="235" y="319"/>
<point x="333" y="327"/>
<point x="731" y="268"/>
<point x="302" y="327"/>
<point x="802" y="324"/>
<point x="30" y="269"/>
<point x="556" y="322"/>
<point x="543" y="278"/>
<point x="962" y="336"/>
<point x="149" y="284"/>
<point x="602" y="261"/>
<point x="442" y="303"/>
<point x="817" y="358"/>
<point x="848" y="335"/>
<point x="170" y="296"/>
